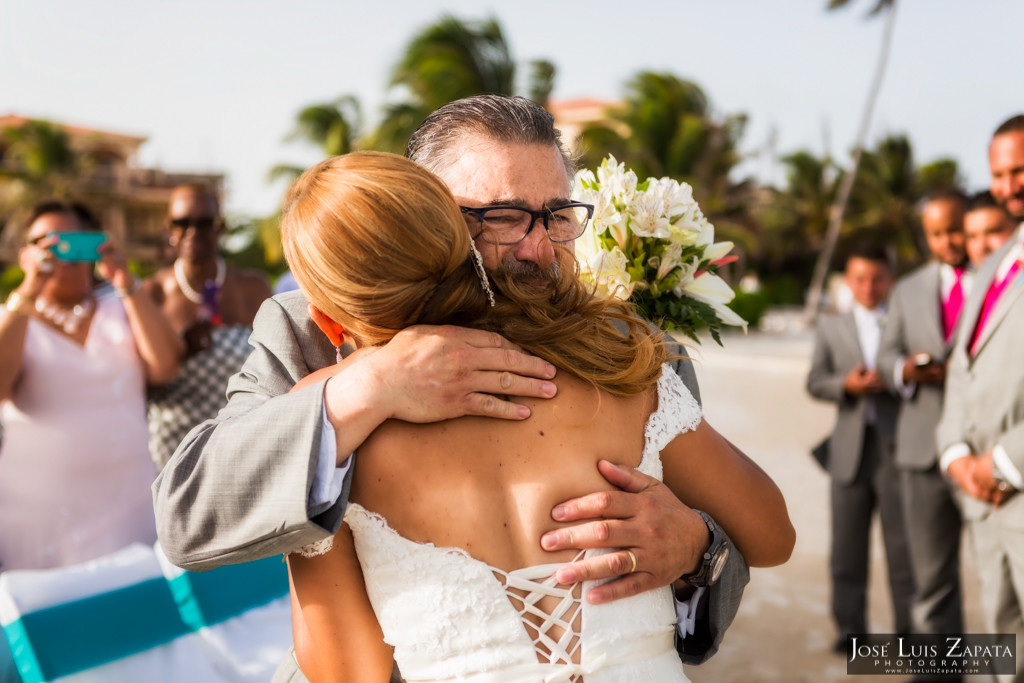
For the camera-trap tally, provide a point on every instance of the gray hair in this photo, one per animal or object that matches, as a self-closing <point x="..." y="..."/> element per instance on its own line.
<point x="513" y="120"/>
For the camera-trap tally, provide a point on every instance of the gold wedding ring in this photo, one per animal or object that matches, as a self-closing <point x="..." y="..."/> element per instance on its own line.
<point x="633" y="558"/>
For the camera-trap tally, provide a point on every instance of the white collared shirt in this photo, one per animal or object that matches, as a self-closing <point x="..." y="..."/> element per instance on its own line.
<point x="869" y="331"/>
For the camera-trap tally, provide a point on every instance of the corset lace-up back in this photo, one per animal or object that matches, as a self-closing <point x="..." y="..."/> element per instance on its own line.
<point x="452" y="617"/>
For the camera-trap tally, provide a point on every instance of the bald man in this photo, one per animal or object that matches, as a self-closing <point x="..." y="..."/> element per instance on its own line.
<point x="212" y="305"/>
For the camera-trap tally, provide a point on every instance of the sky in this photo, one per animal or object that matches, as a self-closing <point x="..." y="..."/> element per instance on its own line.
<point x="214" y="85"/>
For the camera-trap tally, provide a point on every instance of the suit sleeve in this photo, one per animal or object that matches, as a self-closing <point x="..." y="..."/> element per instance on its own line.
<point x="716" y="611"/>
<point x="950" y="428"/>
<point x="237" y="487"/>
<point x="892" y="347"/>
<point x="824" y="381"/>
<point x="717" y="608"/>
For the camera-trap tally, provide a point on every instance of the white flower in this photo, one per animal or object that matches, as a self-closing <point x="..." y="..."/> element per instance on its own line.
<point x="717" y="250"/>
<point x="677" y="197"/>
<point x="647" y="216"/>
<point x="605" y="269"/>
<point x="583" y="179"/>
<point x="614" y="177"/>
<point x="669" y="260"/>
<point x="651" y="228"/>
<point x="714" y="291"/>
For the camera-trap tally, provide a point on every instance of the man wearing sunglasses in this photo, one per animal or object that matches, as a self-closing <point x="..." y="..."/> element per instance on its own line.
<point x="271" y="472"/>
<point x="212" y="305"/>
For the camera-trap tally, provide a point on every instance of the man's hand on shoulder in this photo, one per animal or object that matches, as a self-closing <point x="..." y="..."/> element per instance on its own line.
<point x="428" y="374"/>
<point x="666" y="537"/>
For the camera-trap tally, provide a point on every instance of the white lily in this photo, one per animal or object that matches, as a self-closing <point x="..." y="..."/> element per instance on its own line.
<point x="715" y="292"/>
<point x="647" y="216"/>
<point x="717" y="250"/>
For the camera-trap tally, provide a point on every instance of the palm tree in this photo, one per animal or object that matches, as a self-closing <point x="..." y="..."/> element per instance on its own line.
<point x="839" y="208"/>
<point x="796" y="218"/>
<point x="664" y="128"/>
<point x="446" y="61"/>
<point x="332" y="127"/>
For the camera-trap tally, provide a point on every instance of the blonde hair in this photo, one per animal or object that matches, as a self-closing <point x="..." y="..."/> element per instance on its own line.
<point x="377" y="243"/>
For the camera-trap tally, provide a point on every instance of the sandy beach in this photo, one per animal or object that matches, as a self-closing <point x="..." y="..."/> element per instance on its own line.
<point x="753" y="392"/>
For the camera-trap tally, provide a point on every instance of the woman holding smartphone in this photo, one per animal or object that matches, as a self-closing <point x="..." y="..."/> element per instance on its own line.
<point x="74" y="467"/>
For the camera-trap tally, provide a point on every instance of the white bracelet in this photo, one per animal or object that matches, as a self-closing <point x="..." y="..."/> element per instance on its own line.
<point x="14" y="302"/>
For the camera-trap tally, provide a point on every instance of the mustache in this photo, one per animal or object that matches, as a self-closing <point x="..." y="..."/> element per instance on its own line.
<point x="528" y="271"/>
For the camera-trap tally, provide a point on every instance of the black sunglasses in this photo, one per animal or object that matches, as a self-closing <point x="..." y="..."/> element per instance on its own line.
<point x="204" y="224"/>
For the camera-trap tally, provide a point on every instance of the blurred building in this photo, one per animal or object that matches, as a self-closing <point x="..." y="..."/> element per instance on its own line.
<point x="130" y="201"/>
<point x="572" y="116"/>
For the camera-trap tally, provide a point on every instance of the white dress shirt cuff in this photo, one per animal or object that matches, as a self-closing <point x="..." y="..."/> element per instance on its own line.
<point x="905" y="390"/>
<point x="686" y="613"/>
<point x="954" y="452"/>
<point x="328" y="478"/>
<point x="1006" y="466"/>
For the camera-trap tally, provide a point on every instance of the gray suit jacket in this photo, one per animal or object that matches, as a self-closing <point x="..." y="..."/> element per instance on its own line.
<point x="913" y="324"/>
<point x="984" y="404"/>
<point x="836" y="352"/>
<point x="236" y="488"/>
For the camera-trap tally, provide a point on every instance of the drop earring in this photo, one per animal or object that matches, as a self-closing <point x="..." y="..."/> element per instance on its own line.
<point x="337" y="354"/>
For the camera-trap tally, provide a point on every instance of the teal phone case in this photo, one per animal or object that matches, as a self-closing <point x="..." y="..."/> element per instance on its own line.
<point x="78" y="246"/>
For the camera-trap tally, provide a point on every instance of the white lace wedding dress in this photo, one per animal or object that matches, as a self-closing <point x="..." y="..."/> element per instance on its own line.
<point x="451" y="617"/>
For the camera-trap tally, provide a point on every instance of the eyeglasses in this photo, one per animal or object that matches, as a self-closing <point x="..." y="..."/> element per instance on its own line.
<point x="511" y="224"/>
<point x="203" y="224"/>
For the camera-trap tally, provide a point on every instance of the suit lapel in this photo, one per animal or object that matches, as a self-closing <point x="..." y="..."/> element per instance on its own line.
<point x="848" y="325"/>
<point x="972" y="307"/>
<point x="931" y="315"/>
<point x="1009" y="297"/>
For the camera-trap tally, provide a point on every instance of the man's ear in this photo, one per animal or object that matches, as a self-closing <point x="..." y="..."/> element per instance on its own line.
<point x="334" y="331"/>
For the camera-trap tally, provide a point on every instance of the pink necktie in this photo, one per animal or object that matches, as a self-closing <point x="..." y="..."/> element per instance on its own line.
<point x="952" y="305"/>
<point x="995" y="290"/>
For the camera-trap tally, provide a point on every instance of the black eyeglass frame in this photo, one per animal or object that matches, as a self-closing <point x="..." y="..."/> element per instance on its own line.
<point x="544" y="215"/>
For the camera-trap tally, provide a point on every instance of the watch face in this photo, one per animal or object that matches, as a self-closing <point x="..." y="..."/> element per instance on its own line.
<point x="718" y="564"/>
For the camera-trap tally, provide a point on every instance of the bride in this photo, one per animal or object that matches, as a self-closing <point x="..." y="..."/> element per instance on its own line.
<point x="437" y="565"/>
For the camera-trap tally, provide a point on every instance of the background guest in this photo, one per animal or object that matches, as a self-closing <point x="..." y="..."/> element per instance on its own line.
<point x="212" y="305"/>
<point x="987" y="226"/>
<point x="860" y="458"/>
<point x="981" y="433"/>
<point x="74" y="476"/>
<point x="924" y="311"/>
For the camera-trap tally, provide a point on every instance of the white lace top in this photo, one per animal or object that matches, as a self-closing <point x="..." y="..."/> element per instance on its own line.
<point x="452" y="617"/>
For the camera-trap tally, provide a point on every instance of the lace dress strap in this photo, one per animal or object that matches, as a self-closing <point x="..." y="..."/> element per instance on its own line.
<point x="677" y="412"/>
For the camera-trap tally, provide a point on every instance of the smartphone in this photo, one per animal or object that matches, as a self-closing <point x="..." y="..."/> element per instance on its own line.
<point x="77" y="246"/>
<point x="922" y="359"/>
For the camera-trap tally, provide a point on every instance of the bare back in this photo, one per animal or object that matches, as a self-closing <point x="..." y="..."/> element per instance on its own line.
<point x="488" y="486"/>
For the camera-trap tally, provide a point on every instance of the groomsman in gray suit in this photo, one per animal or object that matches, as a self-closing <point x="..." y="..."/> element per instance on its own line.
<point x="859" y="451"/>
<point x="981" y="433"/>
<point x="919" y="327"/>
<point x="271" y="472"/>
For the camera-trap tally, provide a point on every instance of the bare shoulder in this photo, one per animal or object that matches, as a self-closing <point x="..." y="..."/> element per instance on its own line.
<point x="250" y="281"/>
<point x="159" y="284"/>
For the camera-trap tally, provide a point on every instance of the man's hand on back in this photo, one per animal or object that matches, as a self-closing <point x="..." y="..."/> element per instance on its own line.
<point x="666" y="537"/>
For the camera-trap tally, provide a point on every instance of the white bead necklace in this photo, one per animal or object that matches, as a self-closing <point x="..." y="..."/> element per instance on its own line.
<point x="186" y="289"/>
<point x="68" y="319"/>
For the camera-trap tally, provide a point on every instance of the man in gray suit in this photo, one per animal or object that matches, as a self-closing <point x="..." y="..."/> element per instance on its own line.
<point x="859" y="451"/>
<point x="271" y="472"/>
<point x="981" y="433"/>
<point x="916" y="337"/>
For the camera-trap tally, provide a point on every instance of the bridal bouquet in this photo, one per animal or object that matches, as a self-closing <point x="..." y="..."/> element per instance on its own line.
<point x="649" y="242"/>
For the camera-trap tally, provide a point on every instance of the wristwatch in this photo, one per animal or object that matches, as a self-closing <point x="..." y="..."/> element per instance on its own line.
<point x="714" y="559"/>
